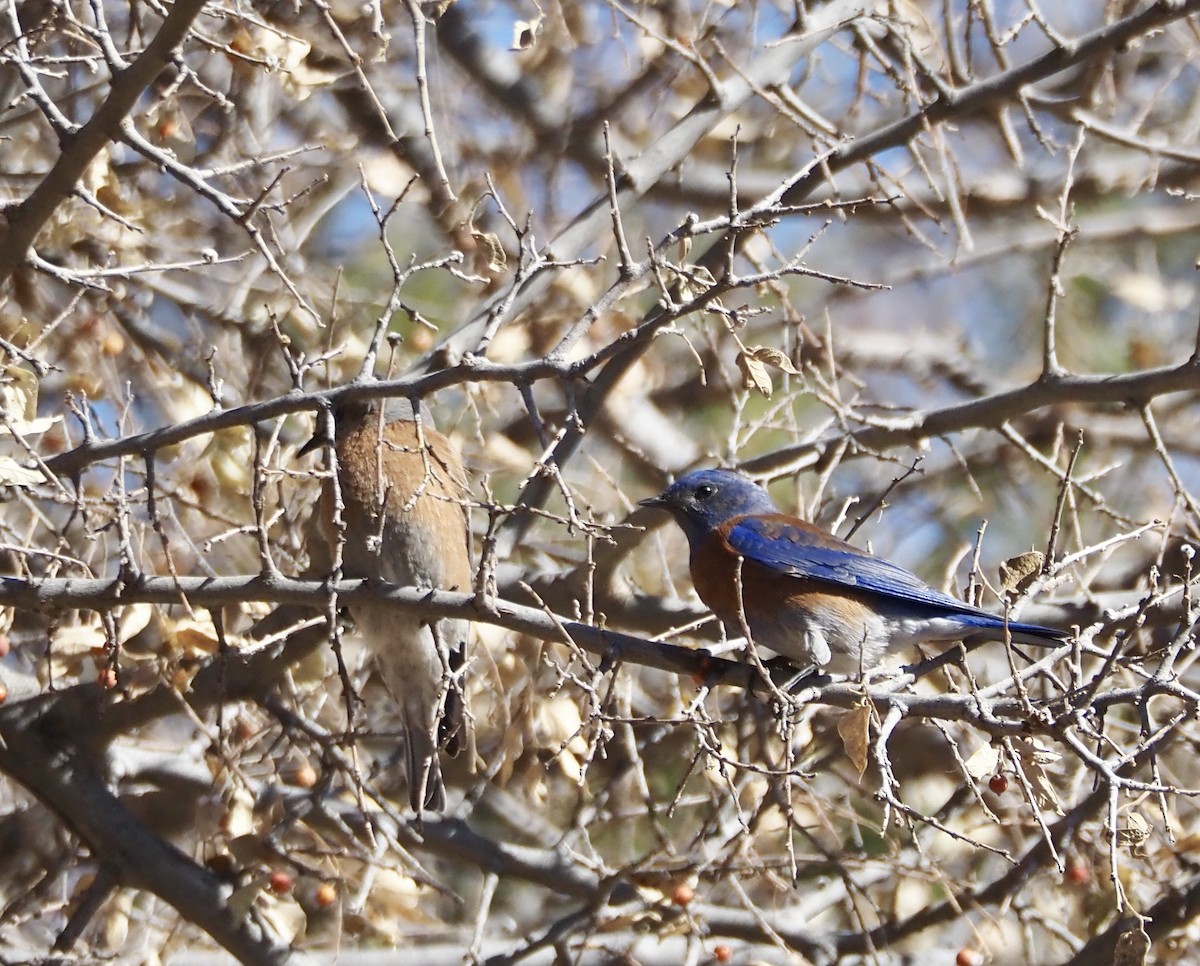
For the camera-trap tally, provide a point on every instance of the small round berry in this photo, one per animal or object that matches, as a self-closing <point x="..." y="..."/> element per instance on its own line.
<point x="280" y="882"/>
<point x="305" y="776"/>
<point x="1077" y="872"/>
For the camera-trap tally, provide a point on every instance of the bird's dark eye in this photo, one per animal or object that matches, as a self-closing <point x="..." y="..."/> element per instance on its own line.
<point x="704" y="491"/>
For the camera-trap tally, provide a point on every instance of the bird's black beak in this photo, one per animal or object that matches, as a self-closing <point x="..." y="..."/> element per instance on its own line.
<point x="654" y="502"/>
<point x="320" y="438"/>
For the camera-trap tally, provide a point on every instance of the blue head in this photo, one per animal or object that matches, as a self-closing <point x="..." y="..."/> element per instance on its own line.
<point x="701" y="501"/>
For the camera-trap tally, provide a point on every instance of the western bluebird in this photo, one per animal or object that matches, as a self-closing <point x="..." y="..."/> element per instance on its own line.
<point x="805" y="594"/>
<point x="403" y="488"/>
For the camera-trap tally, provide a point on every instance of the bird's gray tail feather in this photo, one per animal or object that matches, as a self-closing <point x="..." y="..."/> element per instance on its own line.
<point x="426" y="789"/>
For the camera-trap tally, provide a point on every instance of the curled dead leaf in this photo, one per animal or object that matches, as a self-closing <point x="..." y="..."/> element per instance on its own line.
<point x="18" y="393"/>
<point x="754" y="374"/>
<point x="29" y="427"/>
<point x="854" y="727"/>
<point x="132" y="620"/>
<point x="13" y="473"/>
<point x="192" y="636"/>
<point x="1135" y="831"/>
<point x="755" y="363"/>
<point x="1017" y="573"/>
<point x="1034" y="756"/>
<point x="693" y="282"/>
<point x="283" y="914"/>
<point x="983" y="762"/>
<point x="1132" y="948"/>
<point x="494" y="258"/>
<point x="770" y="356"/>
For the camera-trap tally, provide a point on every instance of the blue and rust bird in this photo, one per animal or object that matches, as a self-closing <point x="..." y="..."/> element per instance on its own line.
<point x="810" y="597"/>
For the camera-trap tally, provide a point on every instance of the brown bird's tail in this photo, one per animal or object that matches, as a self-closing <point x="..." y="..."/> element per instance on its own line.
<point x="452" y="729"/>
<point x="426" y="790"/>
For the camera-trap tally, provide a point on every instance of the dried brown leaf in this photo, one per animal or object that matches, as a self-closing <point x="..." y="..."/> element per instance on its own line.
<point x="855" y="730"/>
<point x="1017" y="573"/>
<point x="492" y="250"/>
<point x="18" y="393"/>
<point x="13" y="473"/>
<point x="775" y="358"/>
<point x="754" y="374"/>
<point x="1132" y="948"/>
<point x="1135" y="831"/>
<point x="983" y="762"/>
<point x="1034" y="757"/>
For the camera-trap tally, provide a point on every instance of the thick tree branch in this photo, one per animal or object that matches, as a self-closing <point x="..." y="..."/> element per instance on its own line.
<point x="39" y="748"/>
<point x="251" y="672"/>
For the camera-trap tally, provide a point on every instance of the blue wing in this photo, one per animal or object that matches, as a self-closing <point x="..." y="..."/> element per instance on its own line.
<point x="793" y="547"/>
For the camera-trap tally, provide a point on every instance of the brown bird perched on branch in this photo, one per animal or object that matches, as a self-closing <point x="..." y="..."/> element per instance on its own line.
<point x="403" y="492"/>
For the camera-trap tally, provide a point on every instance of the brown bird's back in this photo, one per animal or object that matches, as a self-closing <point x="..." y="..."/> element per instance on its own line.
<point x="405" y="521"/>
